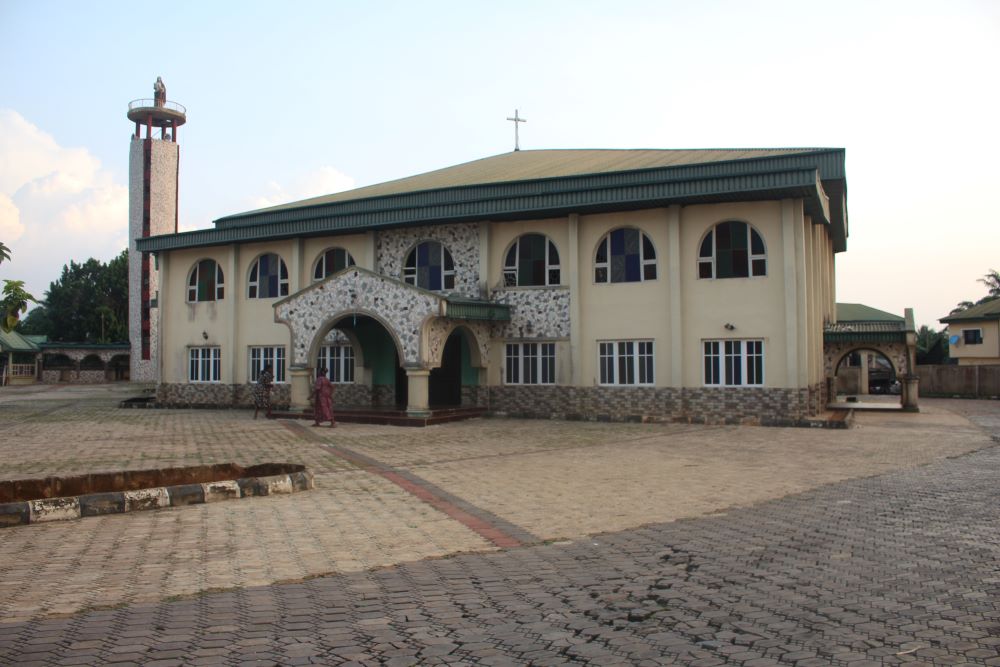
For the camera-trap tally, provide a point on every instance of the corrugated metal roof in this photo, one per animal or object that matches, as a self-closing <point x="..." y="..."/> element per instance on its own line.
<point x="859" y="312"/>
<point x="866" y="327"/>
<point x="541" y="164"/>
<point x="526" y="185"/>
<point x="15" y="342"/>
<point x="984" y="311"/>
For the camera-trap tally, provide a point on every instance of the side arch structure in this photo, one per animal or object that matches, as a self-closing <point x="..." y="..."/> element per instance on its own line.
<point x="895" y="339"/>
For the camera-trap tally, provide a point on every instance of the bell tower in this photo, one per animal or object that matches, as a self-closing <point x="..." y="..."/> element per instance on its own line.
<point x="152" y="210"/>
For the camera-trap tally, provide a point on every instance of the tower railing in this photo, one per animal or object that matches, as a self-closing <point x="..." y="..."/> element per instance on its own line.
<point x="151" y="103"/>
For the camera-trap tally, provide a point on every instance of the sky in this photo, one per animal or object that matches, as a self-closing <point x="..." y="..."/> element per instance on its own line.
<point x="297" y="99"/>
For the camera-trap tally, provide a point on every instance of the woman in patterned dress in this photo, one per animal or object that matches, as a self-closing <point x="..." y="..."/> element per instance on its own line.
<point x="262" y="391"/>
<point x="323" y="395"/>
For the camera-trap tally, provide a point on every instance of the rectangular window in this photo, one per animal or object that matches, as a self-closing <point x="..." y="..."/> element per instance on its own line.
<point x="626" y="362"/>
<point x="262" y="356"/>
<point x="734" y="363"/>
<point x="204" y="364"/>
<point x="530" y="363"/>
<point x="973" y="336"/>
<point x="339" y="361"/>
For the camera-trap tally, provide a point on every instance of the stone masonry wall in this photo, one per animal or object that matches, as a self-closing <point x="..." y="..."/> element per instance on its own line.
<point x="383" y="395"/>
<point x="536" y="312"/>
<point x="461" y="240"/>
<point x="58" y="376"/>
<point x="713" y="405"/>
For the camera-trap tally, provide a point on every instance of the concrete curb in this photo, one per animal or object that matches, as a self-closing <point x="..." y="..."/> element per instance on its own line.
<point x="118" y="502"/>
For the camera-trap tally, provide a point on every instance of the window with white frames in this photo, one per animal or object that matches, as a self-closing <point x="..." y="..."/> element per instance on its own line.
<point x="732" y="249"/>
<point x="734" y="363"/>
<point x="339" y="361"/>
<point x="430" y="266"/>
<point x="264" y="355"/>
<point x="205" y="282"/>
<point x="532" y="260"/>
<point x="530" y="363"/>
<point x="204" y="364"/>
<point x="331" y="261"/>
<point x="625" y="256"/>
<point x="626" y="362"/>
<point x="268" y="278"/>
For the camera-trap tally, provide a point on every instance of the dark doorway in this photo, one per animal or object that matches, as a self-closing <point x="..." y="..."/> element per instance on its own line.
<point x="446" y="381"/>
<point x="402" y="385"/>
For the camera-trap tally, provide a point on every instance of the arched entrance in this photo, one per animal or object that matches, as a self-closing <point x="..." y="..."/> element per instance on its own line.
<point x="362" y="358"/>
<point x="458" y="369"/>
<point x="445" y="387"/>
<point x="866" y="375"/>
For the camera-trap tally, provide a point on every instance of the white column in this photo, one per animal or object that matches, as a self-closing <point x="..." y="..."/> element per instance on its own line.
<point x="673" y="274"/>
<point x="233" y="293"/>
<point x="417" y="392"/>
<point x="573" y="264"/>
<point x="788" y="255"/>
<point x="161" y="322"/>
<point x="368" y="258"/>
<point x="484" y="259"/>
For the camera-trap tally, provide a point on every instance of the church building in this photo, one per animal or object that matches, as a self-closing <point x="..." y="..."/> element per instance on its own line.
<point x="595" y="284"/>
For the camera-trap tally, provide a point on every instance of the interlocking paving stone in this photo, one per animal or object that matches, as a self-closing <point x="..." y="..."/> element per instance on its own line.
<point x="861" y="572"/>
<point x="822" y="578"/>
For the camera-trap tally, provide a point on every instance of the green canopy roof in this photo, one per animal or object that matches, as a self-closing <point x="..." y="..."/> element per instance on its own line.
<point x="15" y="342"/>
<point x="859" y="312"/>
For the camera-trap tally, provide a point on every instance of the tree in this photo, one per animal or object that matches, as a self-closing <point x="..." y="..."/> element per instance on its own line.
<point x="932" y="346"/>
<point x="14" y="303"/>
<point x="87" y="304"/>
<point x="992" y="282"/>
<point x="15" y="299"/>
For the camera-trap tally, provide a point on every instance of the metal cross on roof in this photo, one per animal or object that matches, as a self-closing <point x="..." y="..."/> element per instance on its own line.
<point x="517" y="120"/>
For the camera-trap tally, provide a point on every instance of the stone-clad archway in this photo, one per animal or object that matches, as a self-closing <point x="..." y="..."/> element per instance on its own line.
<point x="895" y="340"/>
<point x="416" y="320"/>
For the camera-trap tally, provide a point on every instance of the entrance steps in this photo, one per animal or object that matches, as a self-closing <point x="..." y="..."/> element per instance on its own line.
<point x="393" y="416"/>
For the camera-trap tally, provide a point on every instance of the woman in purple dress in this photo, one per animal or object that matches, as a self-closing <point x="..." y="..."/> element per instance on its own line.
<point x="323" y="396"/>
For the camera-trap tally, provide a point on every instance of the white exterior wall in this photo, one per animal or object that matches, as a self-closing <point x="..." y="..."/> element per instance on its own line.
<point x="677" y="310"/>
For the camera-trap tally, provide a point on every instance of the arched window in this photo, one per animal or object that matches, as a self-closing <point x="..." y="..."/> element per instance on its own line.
<point x="429" y="265"/>
<point x="331" y="261"/>
<point x="268" y="278"/>
<point x="732" y="249"/>
<point x="625" y="256"/>
<point x="532" y="260"/>
<point x="205" y="282"/>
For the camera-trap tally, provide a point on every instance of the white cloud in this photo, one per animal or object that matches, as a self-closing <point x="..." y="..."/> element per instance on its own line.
<point x="11" y="228"/>
<point x="56" y="204"/>
<point x="323" y="181"/>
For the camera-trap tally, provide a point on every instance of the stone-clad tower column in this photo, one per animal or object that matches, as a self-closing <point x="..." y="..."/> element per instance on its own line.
<point x="152" y="210"/>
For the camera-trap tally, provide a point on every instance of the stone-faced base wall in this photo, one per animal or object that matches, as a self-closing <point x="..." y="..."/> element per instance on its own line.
<point x="351" y="395"/>
<point x="383" y="395"/>
<point x="57" y="376"/>
<point x="208" y="393"/>
<point x="716" y="405"/>
<point x="477" y="397"/>
<point x="601" y="403"/>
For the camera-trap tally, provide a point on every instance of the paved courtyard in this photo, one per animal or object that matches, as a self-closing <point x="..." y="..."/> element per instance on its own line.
<point x="513" y="542"/>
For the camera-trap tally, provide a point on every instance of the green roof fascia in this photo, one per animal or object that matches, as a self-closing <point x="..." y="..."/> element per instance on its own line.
<point x="329" y="219"/>
<point x="84" y="346"/>
<point x="465" y="309"/>
<point x="829" y="164"/>
<point x="864" y="337"/>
